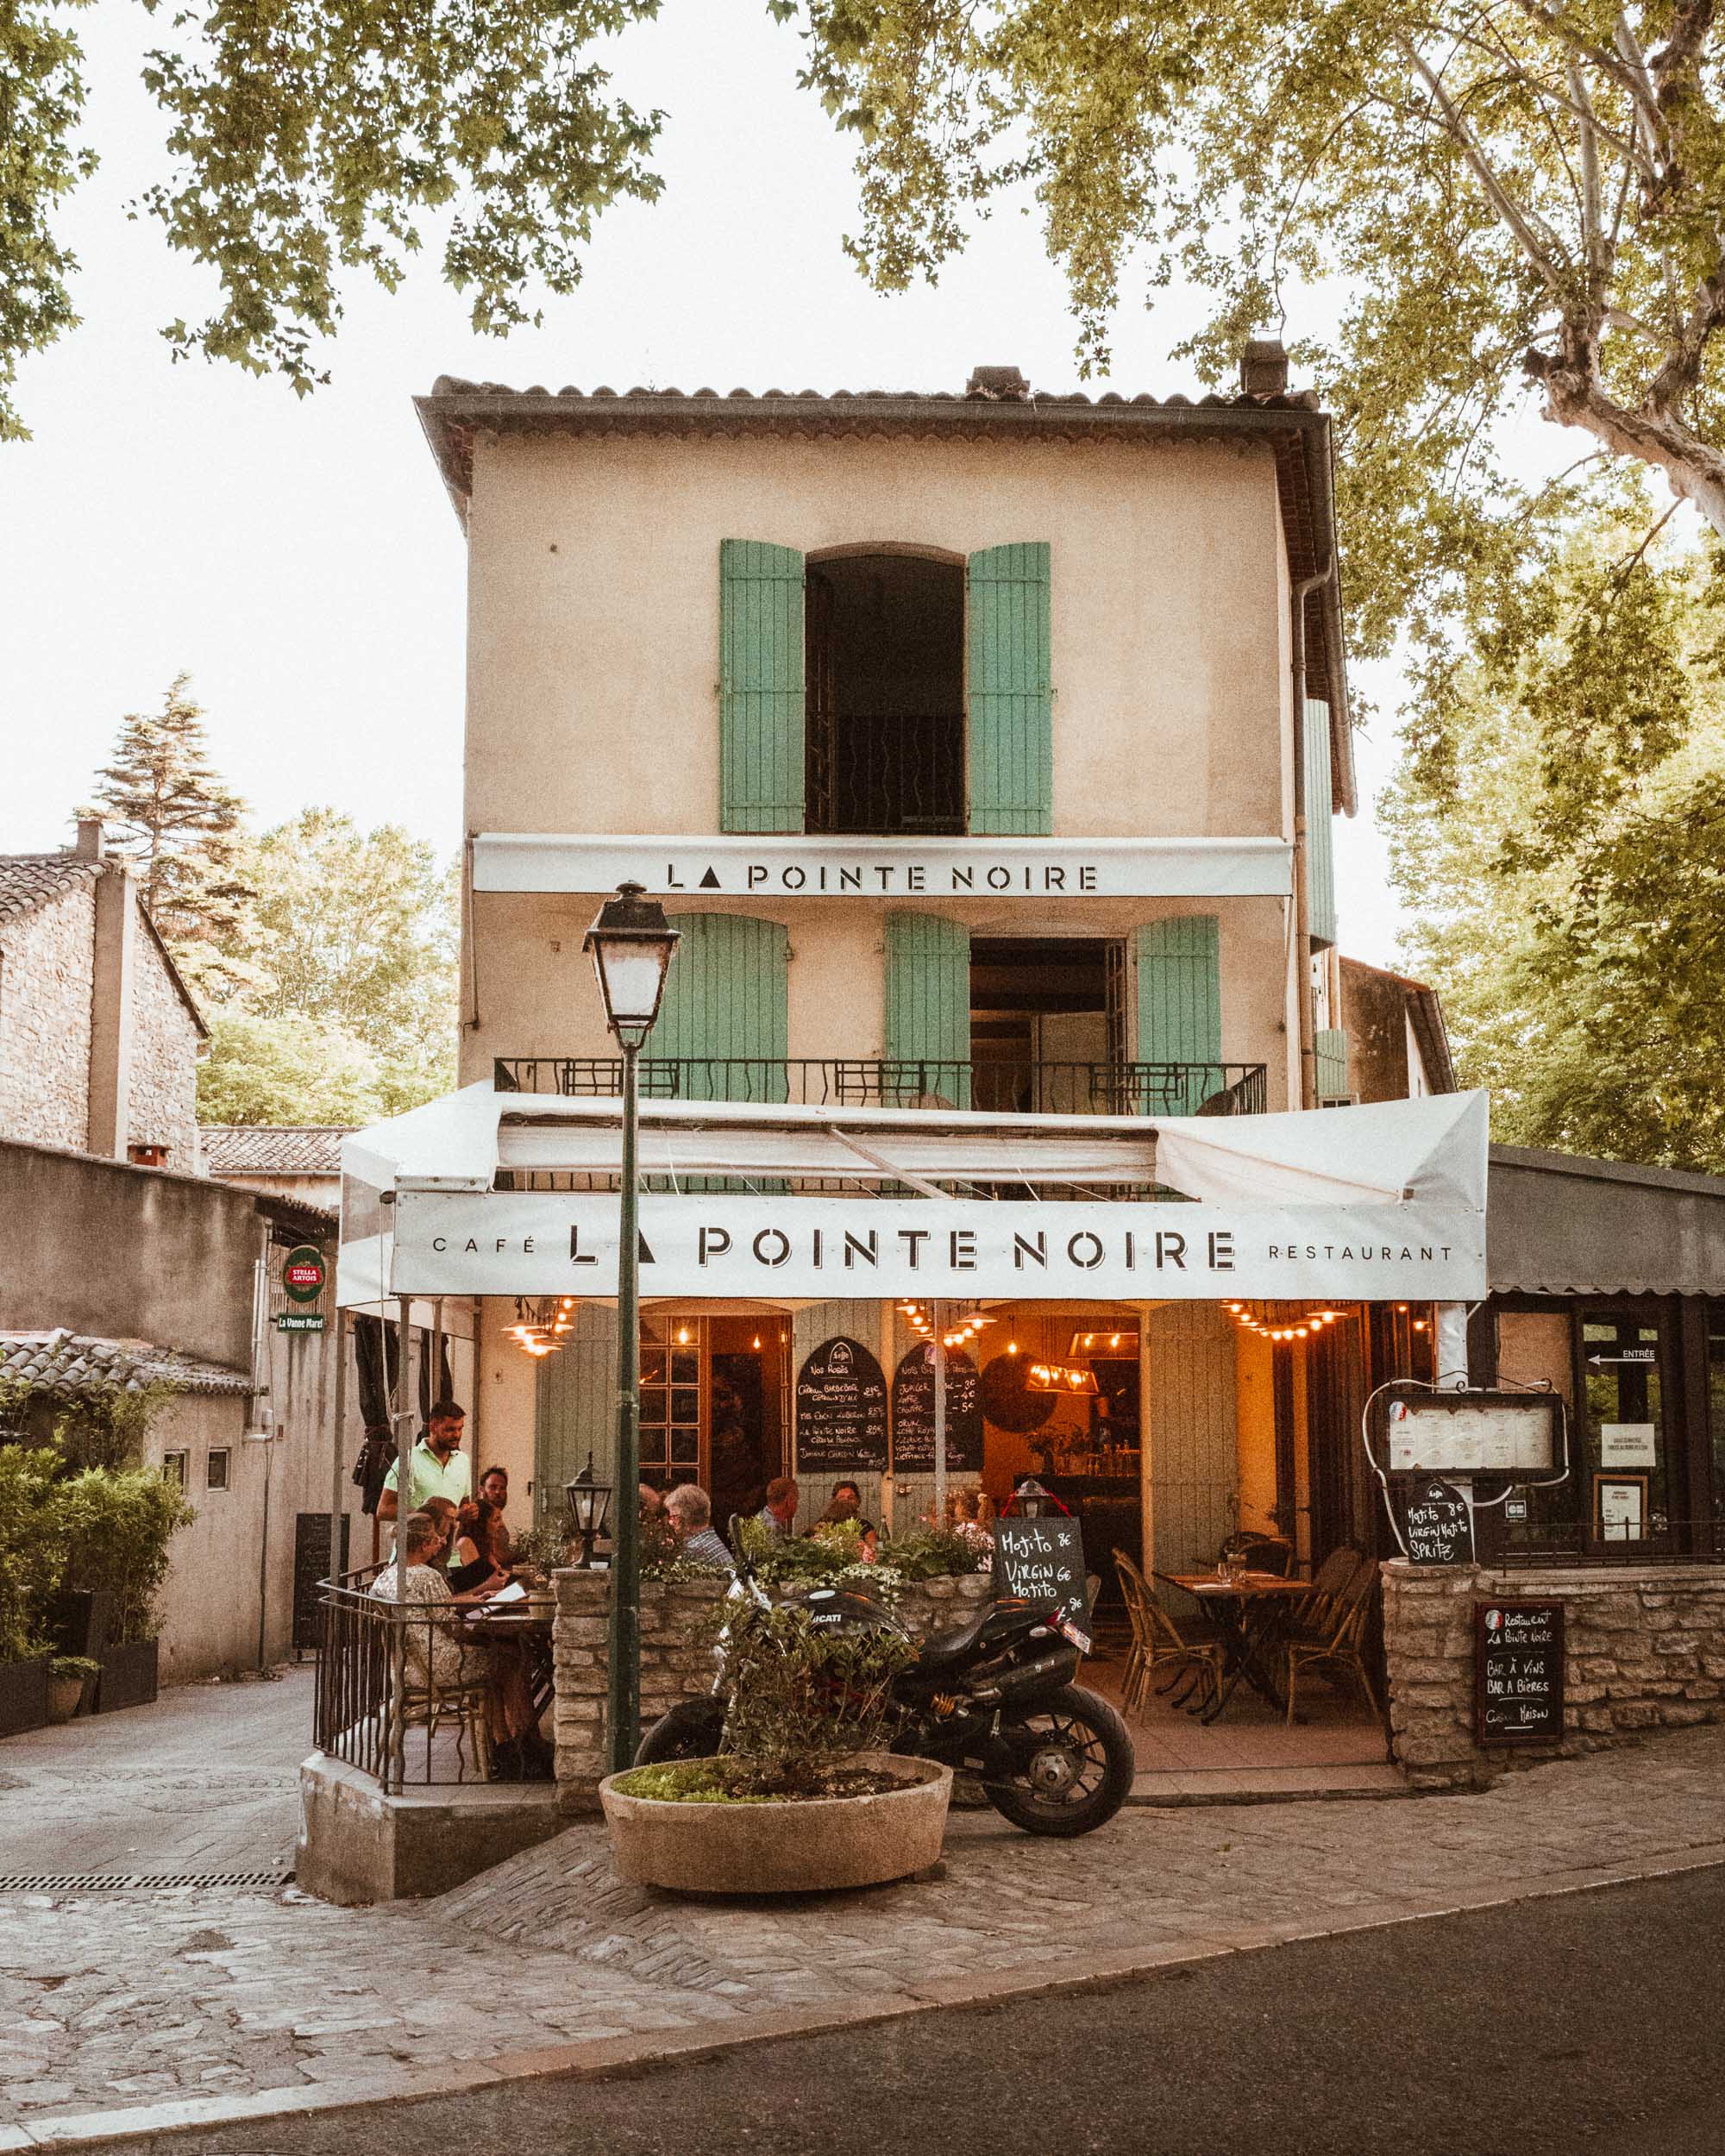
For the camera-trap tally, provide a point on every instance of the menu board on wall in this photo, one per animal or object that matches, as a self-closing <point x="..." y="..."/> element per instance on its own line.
<point x="913" y="1413"/>
<point x="1473" y="1432"/>
<point x="1518" y="1672"/>
<point x="841" y="1411"/>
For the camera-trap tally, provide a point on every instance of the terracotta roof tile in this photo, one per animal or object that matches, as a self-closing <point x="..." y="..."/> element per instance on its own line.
<point x="26" y="880"/>
<point x="70" y="1363"/>
<point x="234" y="1148"/>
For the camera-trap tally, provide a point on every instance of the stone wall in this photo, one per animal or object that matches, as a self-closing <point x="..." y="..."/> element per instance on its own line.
<point x="162" y="1104"/>
<point x="676" y="1656"/>
<point x="1644" y="1651"/>
<point x="46" y="958"/>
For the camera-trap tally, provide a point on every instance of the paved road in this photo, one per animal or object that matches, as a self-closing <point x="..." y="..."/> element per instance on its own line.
<point x="205" y="1780"/>
<point x="1591" y="2022"/>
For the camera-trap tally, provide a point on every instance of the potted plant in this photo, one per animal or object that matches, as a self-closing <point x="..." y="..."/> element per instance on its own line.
<point x="69" y="1677"/>
<point x="800" y="1796"/>
<point x="118" y="1525"/>
<point x="32" y="1553"/>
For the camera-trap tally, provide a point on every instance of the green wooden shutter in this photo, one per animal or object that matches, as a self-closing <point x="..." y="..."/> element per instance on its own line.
<point x="761" y="687"/>
<point x="576" y="1408"/>
<point x="1011" y="692"/>
<point x="726" y="1005"/>
<point x="1320" y="861"/>
<point x="1180" y="1009"/>
<point x="928" y="1005"/>
<point x="1330" y="1047"/>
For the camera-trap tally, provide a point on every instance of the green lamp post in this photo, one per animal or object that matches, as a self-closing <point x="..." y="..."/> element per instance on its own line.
<point x="630" y="944"/>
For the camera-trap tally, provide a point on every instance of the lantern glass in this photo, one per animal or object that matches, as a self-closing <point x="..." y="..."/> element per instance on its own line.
<point x="630" y="944"/>
<point x="589" y="1501"/>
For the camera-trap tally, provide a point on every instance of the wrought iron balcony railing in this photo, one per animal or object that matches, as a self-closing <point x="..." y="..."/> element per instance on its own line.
<point x="997" y="1087"/>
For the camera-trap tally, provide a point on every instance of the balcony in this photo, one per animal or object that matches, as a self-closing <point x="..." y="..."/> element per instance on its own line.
<point x="997" y="1087"/>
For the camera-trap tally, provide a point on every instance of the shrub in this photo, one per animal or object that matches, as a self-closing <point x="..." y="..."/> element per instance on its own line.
<point x="106" y="1426"/>
<point x="32" y="1548"/>
<point x="935" y="1553"/>
<point x="117" y="1528"/>
<point x="803" y="1698"/>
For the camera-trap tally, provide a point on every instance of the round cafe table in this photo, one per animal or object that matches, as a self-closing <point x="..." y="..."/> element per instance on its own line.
<point x="1251" y="1613"/>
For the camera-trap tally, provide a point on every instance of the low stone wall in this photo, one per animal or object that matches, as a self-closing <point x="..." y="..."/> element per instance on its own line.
<point x="1644" y="1651"/>
<point x="676" y="1656"/>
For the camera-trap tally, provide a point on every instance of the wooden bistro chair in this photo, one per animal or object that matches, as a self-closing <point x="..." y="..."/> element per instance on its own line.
<point x="1312" y="1614"/>
<point x="1159" y="1643"/>
<point x="1337" y="1645"/>
<point x="427" y="1706"/>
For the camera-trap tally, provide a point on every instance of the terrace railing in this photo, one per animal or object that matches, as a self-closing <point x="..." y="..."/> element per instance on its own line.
<point x="401" y="1695"/>
<point x="1004" y="1087"/>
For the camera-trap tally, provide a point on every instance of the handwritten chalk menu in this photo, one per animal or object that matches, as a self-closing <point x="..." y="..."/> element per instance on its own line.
<point x="913" y="1413"/>
<point x="1044" y="1561"/>
<point x="1473" y="1432"/>
<point x="1518" y="1672"/>
<point x="841" y="1411"/>
<point x="1438" y="1523"/>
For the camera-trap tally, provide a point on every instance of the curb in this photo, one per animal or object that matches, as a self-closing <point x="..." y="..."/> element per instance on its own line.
<point x="605" y="2055"/>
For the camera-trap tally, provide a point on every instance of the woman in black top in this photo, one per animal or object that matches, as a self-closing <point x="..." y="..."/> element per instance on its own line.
<point x="472" y="1559"/>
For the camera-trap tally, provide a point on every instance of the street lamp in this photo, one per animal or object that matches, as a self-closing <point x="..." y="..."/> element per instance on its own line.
<point x="589" y="1501"/>
<point x="630" y="943"/>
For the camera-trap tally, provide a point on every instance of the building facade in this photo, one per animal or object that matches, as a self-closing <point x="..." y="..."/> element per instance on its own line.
<point x="99" y="1037"/>
<point x="984" y="749"/>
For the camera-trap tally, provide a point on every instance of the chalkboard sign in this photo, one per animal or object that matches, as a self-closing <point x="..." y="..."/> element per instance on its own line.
<point x="913" y="1413"/>
<point x="1044" y="1561"/>
<point x="1518" y="1663"/>
<point x="311" y="1566"/>
<point x="1438" y="1523"/>
<point x="841" y="1411"/>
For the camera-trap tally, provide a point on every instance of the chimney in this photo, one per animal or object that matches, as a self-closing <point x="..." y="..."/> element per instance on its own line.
<point x="1264" y="367"/>
<point x="89" y="838"/>
<point x="1003" y="384"/>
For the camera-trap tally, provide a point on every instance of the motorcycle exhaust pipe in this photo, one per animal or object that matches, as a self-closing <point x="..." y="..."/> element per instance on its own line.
<point x="1013" y="1687"/>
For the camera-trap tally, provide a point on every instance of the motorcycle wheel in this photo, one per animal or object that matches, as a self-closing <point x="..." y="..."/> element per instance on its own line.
<point x="1080" y="1774"/>
<point x="691" y="1731"/>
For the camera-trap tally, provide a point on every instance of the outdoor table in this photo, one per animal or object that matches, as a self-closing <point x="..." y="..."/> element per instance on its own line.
<point x="526" y="1625"/>
<point x="1251" y="1613"/>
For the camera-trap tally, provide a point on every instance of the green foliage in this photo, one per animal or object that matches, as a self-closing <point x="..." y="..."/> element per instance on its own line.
<point x="117" y="1528"/>
<point x="312" y="138"/>
<point x="107" y="1427"/>
<point x="286" y="1070"/>
<point x="71" y="1666"/>
<point x="802" y="1698"/>
<point x="168" y="810"/>
<point x="933" y="1553"/>
<point x="32" y="1548"/>
<point x="829" y="1557"/>
<point x="1501" y="206"/>
<point x="691" y="1782"/>
<point x="1558" y="826"/>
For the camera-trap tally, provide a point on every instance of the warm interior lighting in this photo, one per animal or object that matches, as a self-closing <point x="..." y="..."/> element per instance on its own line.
<point x="757" y="1339"/>
<point x="682" y="1336"/>
<point x="1011" y="1347"/>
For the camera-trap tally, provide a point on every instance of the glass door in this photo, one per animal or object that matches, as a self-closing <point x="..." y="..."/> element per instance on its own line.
<point x="673" y="1397"/>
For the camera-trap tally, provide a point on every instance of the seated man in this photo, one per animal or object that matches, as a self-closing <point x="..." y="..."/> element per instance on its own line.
<point x="689" y="1509"/>
<point x="779" y="1515"/>
<point x="494" y="1488"/>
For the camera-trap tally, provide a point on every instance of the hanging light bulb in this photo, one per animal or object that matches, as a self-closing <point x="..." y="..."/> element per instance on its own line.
<point x="682" y="1336"/>
<point x="757" y="1339"/>
<point x="1011" y="1347"/>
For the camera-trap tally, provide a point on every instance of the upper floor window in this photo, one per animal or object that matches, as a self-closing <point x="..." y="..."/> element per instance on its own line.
<point x="884" y="670"/>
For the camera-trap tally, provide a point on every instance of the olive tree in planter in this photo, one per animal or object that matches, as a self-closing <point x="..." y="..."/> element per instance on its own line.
<point x="32" y="1554"/>
<point x="118" y="1525"/>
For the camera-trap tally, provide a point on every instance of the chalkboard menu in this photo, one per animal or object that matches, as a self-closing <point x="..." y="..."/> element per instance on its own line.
<point x="1438" y="1523"/>
<point x="311" y="1566"/>
<point x="1044" y="1561"/>
<point x="1518" y="1672"/>
<point x="841" y="1411"/>
<point x="913" y="1413"/>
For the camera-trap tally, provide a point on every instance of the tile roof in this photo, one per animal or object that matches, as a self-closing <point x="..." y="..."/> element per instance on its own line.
<point x="70" y="1363"/>
<point x="237" y="1149"/>
<point x="26" y="880"/>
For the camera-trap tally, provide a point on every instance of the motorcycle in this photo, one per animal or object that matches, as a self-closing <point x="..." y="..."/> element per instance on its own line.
<point x="994" y="1698"/>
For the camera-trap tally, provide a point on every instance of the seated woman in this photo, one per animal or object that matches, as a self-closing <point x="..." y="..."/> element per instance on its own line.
<point x="477" y="1555"/>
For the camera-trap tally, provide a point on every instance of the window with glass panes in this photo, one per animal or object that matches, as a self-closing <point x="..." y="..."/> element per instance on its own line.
<point x="1624" y="1431"/>
<point x="673" y="1365"/>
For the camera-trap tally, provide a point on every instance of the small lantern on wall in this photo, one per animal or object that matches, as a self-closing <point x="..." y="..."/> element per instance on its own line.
<point x="589" y="1507"/>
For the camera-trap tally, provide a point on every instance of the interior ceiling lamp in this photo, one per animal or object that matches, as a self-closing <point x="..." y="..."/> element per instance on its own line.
<point x="1305" y="1327"/>
<point x="1072" y="1378"/>
<point x="1115" y="1339"/>
<point x="540" y="1322"/>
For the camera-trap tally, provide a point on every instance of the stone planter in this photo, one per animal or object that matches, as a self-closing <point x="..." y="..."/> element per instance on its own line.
<point x="784" y="1848"/>
<point x="64" y="1695"/>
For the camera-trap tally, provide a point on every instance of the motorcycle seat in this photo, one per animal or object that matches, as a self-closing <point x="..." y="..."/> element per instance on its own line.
<point x="946" y="1650"/>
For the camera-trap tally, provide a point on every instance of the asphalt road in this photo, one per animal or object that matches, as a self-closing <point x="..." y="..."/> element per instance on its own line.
<point x="1593" y="2022"/>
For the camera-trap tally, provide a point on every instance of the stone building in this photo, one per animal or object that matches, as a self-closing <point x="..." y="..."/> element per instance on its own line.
<point x="99" y="1035"/>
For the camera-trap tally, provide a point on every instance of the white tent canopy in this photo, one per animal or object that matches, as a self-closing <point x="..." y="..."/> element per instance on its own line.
<point x="1405" y="1173"/>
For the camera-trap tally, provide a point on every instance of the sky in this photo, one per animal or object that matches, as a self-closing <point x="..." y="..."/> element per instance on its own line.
<point x="298" y="557"/>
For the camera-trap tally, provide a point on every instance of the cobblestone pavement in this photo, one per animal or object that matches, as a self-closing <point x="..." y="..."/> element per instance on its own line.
<point x="115" y="2000"/>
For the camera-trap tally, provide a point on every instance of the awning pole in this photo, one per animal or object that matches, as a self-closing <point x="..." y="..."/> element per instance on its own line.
<point x="338" y="1447"/>
<point x="939" y="1313"/>
<point x="403" y="1444"/>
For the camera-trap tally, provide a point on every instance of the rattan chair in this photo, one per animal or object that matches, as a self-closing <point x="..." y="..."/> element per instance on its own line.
<point x="425" y="1706"/>
<point x="1340" y="1650"/>
<point x="1313" y="1613"/>
<point x="1158" y="1644"/>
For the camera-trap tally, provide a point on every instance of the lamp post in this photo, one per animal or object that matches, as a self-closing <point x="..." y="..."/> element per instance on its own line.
<point x="630" y="944"/>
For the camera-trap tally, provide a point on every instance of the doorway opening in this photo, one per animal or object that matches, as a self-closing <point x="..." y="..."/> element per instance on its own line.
<point x="884" y="726"/>
<point x="1048" y="1024"/>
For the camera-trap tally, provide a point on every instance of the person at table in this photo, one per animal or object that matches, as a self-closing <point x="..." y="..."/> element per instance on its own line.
<point x="846" y="1505"/>
<point x="437" y="1467"/>
<point x="652" y="1500"/>
<point x="689" y="1509"/>
<point x="436" y="1654"/>
<point x="779" y="1515"/>
<point x="476" y="1557"/>
<point x="494" y="1488"/>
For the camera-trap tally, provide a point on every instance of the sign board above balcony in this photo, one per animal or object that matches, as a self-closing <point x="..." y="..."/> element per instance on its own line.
<point x="686" y="870"/>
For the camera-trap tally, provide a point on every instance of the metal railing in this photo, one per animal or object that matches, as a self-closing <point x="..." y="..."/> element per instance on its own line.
<point x="1003" y="1088"/>
<point x="401" y="1695"/>
<point x="1512" y="1547"/>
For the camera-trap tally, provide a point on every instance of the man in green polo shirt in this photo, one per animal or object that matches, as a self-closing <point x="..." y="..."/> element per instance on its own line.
<point x="437" y="1466"/>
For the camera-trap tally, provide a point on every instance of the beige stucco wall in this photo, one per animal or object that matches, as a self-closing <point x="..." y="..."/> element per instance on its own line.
<point x="594" y="615"/>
